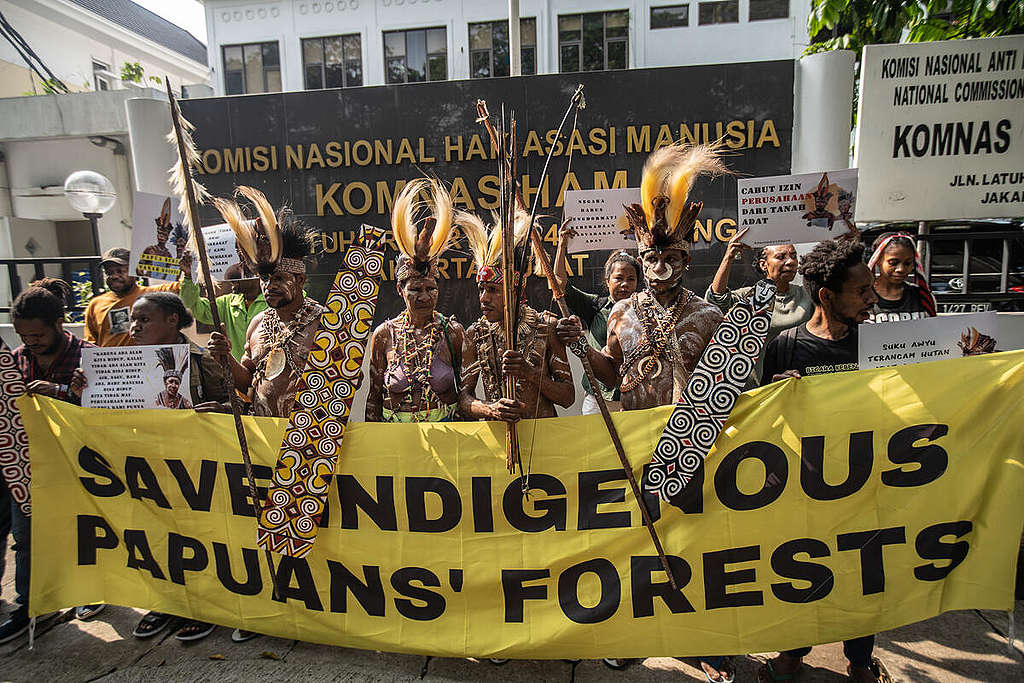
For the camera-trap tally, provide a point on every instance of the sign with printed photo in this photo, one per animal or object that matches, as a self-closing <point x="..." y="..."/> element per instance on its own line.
<point x="917" y="341"/>
<point x="136" y="377"/>
<point x="795" y="209"/>
<point x="599" y="218"/>
<point x="158" y="237"/>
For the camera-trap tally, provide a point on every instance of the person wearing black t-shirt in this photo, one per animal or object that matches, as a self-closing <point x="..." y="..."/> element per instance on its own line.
<point x="840" y="284"/>
<point x="895" y="257"/>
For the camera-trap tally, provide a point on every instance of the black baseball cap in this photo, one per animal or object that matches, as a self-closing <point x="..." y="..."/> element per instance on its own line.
<point x="118" y="255"/>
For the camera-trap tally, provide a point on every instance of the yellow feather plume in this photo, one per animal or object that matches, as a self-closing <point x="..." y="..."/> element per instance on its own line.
<point x="267" y="216"/>
<point x="178" y="170"/>
<point x="494" y="250"/>
<point x="244" y="231"/>
<point x="403" y="216"/>
<point x="442" y="201"/>
<point x="693" y="162"/>
<point x="656" y="171"/>
<point x="473" y="227"/>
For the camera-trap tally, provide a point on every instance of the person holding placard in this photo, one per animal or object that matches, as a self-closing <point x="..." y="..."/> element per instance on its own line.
<point x="49" y="359"/>
<point x="893" y="259"/>
<point x="415" y="357"/>
<point x="840" y="284"/>
<point x="158" y="318"/>
<point x="107" y="321"/>
<point x="778" y="263"/>
<point x="538" y="360"/>
<point x="622" y="277"/>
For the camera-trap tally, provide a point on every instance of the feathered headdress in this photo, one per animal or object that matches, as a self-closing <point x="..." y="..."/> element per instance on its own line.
<point x="165" y="358"/>
<point x="268" y="242"/>
<point x="664" y="218"/>
<point x="421" y="244"/>
<point x="486" y="242"/>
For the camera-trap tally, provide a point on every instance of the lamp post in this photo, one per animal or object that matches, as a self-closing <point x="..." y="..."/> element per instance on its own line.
<point x="91" y="194"/>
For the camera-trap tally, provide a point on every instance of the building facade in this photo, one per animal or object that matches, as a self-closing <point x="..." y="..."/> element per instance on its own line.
<point x="273" y="45"/>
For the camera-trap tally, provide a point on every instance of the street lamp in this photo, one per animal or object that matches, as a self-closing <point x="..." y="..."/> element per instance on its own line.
<point x="91" y="194"/>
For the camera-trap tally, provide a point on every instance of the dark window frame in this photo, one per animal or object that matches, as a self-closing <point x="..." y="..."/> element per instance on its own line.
<point x="323" y="63"/>
<point x="523" y="47"/>
<point x="765" y="6"/>
<point x="98" y="78"/>
<point x="686" y="16"/>
<point x="405" y="56"/>
<point x="579" y="42"/>
<point x="717" y="7"/>
<point x="265" y="70"/>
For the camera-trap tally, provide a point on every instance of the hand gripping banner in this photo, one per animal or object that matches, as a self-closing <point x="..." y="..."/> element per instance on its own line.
<point x="295" y="502"/>
<point x="710" y="394"/>
<point x="13" y="440"/>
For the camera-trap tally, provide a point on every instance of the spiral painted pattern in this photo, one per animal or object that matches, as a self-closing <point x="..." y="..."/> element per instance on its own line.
<point x="14" y="463"/>
<point x="287" y="523"/>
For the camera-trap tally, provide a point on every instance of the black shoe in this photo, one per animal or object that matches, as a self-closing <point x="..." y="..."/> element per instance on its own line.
<point x="15" y="625"/>
<point x="86" y="612"/>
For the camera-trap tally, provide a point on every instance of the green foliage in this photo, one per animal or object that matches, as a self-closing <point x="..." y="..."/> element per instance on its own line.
<point x="132" y="72"/>
<point x="852" y="24"/>
<point x="156" y="79"/>
<point x="50" y="87"/>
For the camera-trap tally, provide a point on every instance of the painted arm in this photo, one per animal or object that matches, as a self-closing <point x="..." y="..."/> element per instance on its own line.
<point x="503" y="409"/>
<point x="374" y="411"/>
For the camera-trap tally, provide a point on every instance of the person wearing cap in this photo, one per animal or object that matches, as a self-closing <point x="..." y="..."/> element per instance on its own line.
<point x="237" y="309"/>
<point x="108" y="316"/>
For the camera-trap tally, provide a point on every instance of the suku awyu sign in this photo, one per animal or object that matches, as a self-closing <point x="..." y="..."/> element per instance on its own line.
<point x="339" y="157"/>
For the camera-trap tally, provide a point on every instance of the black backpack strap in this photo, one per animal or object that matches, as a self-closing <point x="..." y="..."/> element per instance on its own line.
<point x="784" y="349"/>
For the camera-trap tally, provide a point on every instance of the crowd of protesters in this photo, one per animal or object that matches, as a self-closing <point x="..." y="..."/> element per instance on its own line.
<point x="425" y="365"/>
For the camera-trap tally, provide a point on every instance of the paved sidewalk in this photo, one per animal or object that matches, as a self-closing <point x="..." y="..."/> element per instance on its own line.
<point x="957" y="646"/>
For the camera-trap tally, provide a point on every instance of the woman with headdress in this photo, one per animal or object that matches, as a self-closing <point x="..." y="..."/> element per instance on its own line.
<point x="622" y="277"/>
<point x="893" y="260"/>
<point x="414" y="358"/>
<point x="171" y="396"/>
<point x="158" y="319"/>
<point x="278" y="341"/>
<point x="538" y="361"/>
<point x="793" y="304"/>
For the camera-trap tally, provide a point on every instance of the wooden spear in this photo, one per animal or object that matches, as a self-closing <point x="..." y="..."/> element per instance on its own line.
<point x="196" y="233"/>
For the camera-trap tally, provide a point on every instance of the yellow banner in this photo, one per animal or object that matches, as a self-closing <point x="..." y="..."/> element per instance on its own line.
<point x="831" y="507"/>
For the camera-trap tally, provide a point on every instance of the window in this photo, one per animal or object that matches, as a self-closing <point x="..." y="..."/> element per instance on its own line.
<point x="252" y="68"/>
<point x="415" y="56"/>
<point x="488" y="48"/>
<point x="332" y="62"/>
<point x="768" y="9"/>
<point x="593" y="42"/>
<point x="100" y="79"/>
<point x="670" y="16"/>
<point x="725" y="12"/>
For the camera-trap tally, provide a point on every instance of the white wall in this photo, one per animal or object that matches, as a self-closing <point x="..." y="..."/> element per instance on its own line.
<point x="67" y="38"/>
<point x="231" y="22"/>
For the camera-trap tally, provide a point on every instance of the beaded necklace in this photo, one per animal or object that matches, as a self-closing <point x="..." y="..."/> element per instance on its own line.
<point x="659" y="326"/>
<point x="280" y="337"/>
<point x="417" y="359"/>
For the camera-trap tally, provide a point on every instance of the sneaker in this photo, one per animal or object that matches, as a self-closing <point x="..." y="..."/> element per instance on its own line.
<point x="86" y="612"/>
<point x="240" y="636"/>
<point x="15" y="625"/>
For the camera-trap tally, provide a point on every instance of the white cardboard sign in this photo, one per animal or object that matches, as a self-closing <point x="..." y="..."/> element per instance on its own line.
<point x="917" y="341"/>
<point x="598" y="217"/>
<point x="220" y="247"/>
<point x="132" y="377"/>
<point x="940" y="130"/>
<point x="794" y="209"/>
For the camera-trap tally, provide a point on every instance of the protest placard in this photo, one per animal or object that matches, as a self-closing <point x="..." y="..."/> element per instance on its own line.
<point x="599" y="217"/>
<point x="220" y="247"/>
<point x="158" y="237"/>
<point x="916" y="341"/>
<point x="794" y="209"/>
<point x="136" y="377"/>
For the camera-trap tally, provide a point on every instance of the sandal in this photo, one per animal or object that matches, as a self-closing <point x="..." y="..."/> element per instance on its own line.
<point x="767" y="673"/>
<point x="878" y="670"/>
<point x="151" y="624"/>
<point x="719" y="664"/>
<point x="194" y="630"/>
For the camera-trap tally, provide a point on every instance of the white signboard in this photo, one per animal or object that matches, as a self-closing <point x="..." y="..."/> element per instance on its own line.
<point x="916" y="341"/>
<point x="220" y="247"/>
<point x="940" y="133"/>
<point x="793" y="209"/>
<point x="136" y="377"/>
<point x="158" y="237"/>
<point x="598" y="217"/>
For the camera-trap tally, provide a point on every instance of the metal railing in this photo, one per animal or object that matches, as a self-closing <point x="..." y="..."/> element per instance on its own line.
<point x="67" y="269"/>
